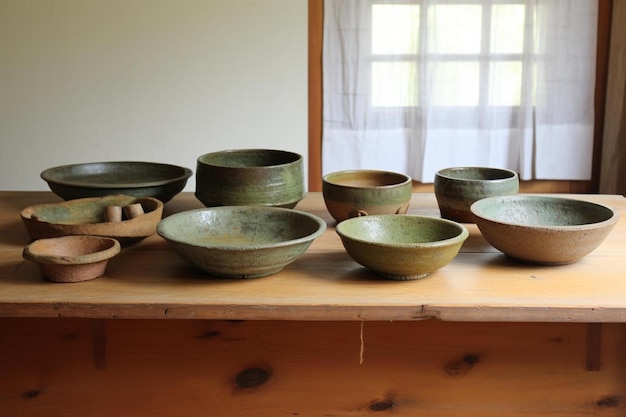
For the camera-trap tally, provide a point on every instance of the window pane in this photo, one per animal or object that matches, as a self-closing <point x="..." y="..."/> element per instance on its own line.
<point x="506" y="84"/>
<point x="394" y="84"/>
<point x="395" y="28"/>
<point x="454" y="29"/>
<point x="455" y="84"/>
<point x="507" y="28"/>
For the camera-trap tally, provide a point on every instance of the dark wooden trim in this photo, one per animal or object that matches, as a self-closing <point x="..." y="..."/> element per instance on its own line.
<point x="605" y="13"/>
<point x="316" y="25"/>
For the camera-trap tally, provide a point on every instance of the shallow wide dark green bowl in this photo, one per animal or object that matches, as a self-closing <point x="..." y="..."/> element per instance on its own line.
<point x="402" y="247"/>
<point x="133" y="178"/>
<point x="364" y="192"/>
<point x="242" y="241"/>
<point x="457" y="188"/>
<point x="256" y="177"/>
<point x="543" y="229"/>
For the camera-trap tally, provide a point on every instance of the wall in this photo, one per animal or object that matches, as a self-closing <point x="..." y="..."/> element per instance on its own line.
<point x="153" y="80"/>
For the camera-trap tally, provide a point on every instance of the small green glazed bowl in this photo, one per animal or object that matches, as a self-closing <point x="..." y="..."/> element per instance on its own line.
<point x="363" y="192"/>
<point x="242" y="241"/>
<point x="457" y="188"/>
<point x="402" y="247"/>
<point x="543" y="230"/>
<point x="255" y="177"/>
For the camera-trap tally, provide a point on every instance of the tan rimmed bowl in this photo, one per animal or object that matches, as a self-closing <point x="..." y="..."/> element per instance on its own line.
<point x="72" y="258"/>
<point x="363" y="192"/>
<point x="86" y="216"/>
<point x="544" y="230"/>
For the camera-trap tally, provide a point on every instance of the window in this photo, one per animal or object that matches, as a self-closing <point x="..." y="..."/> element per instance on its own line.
<point x="418" y="85"/>
<point x="483" y="61"/>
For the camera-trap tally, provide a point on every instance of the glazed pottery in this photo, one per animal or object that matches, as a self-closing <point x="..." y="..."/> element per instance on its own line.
<point x="241" y="241"/>
<point x="358" y="193"/>
<point x="457" y="188"/>
<point x="99" y="179"/>
<point x="543" y="229"/>
<point x="86" y="216"/>
<point x="72" y="258"/>
<point x="402" y="247"/>
<point x="257" y="177"/>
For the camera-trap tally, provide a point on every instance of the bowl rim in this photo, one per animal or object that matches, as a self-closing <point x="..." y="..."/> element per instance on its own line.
<point x="444" y="173"/>
<point x="298" y="158"/>
<point x="47" y="175"/>
<point x="27" y="212"/>
<point x="476" y="206"/>
<point x="84" y="259"/>
<point x="321" y="228"/>
<point x="327" y="178"/>
<point x="460" y="237"/>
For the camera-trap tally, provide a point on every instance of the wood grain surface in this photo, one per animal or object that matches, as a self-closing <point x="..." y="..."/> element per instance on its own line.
<point x="483" y="337"/>
<point x="148" y="280"/>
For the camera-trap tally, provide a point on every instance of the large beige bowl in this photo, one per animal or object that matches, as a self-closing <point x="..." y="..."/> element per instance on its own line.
<point x="457" y="188"/>
<point x="72" y="258"/>
<point x="242" y="241"/>
<point x="402" y="247"/>
<point x="543" y="229"/>
<point x="364" y="192"/>
<point x="85" y="216"/>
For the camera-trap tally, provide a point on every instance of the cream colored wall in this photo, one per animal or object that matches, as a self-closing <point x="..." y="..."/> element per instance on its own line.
<point x="153" y="80"/>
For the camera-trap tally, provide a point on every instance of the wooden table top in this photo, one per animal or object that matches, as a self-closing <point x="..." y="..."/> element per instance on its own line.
<point x="148" y="280"/>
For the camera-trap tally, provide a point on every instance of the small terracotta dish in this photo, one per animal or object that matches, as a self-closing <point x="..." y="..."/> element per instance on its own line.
<point x="364" y="192"/>
<point x="255" y="177"/>
<point x="85" y="216"/>
<point x="72" y="258"/>
<point x="134" y="178"/>
<point x="457" y="188"/>
<point x="241" y="241"/>
<point x="543" y="229"/>
<point x="402" y="247"/>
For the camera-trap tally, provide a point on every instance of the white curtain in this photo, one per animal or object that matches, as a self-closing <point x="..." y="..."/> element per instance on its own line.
<point x="416" y="86"/>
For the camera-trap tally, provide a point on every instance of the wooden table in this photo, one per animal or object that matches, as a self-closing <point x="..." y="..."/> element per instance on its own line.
<point x="323" y="337"/>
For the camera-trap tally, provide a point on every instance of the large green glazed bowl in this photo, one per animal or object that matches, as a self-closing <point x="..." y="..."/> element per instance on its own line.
<point x="543" y="229"/>
<point x="133" y="178"/>
<point x="456" y="189"/>
<point x="402" y="247"/>
<point x="364" y="192"/>
<point x="257" y="177"/>
<point x="242" y="241"/>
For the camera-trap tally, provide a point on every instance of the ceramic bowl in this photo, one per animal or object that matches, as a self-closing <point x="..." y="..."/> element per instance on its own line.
<point x="99" y="179"/>
<point x="457" y="188"/>
<point x="358" y="193"/>
<point x="86" y="216"/>
<point x="72" y="258"/>
<point x="543" y="229"/>
<point x="257" y="177"/>
<point x="241" y="241"/>
<point x="402" y="247"/>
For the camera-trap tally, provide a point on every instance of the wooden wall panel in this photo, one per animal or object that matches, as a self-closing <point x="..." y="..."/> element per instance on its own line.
<point x="79" y="367"/>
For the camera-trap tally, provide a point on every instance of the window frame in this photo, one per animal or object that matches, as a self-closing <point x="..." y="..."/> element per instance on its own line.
<point x="315" y="109"/>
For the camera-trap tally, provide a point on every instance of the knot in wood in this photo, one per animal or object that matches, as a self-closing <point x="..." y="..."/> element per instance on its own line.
<point x="382" y="405"/>
<point x="252" y="377"/>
